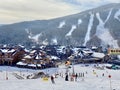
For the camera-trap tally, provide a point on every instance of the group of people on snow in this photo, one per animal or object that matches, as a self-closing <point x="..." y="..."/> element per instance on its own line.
<point x="72" y="78"/>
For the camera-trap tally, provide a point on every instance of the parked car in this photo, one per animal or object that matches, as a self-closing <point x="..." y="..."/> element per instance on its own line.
<point x="116" y="62"/>
<point x="113" y="66"/>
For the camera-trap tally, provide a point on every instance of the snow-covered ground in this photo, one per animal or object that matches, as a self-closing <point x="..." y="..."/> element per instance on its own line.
<point x="92" y="80"/>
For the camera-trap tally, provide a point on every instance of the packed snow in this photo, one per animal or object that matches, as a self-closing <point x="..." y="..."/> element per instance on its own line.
<point x="87" y="36"/>
<point x="117" y="15"/>
<point x="96" y="77"/>
<point x="103" y="32"/>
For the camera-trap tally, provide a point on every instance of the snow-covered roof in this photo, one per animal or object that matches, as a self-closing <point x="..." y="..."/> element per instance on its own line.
<point x="37" y="57"/>
<point x="28" y="57"/>
<point x="21" y="46"/>
<point x="32" y="65"/>
<point x="71" y="57"/>
<point x="33" y="51"/>
<point x="5" y="45"/>
<point x="26" y="50"/>
<point x="118" y="57"/>
<point x="98" y="55"/>
<point x="10" y="51"/>
<point x="21" y="63"/>
<point x="23" y="59"/>
<point x="7" y="50"/>
<point x="39" y="65"/>
<point x="4" y="50"/>
<point x="93" y="47"/>
<point x="42" y="46"/>
<point x="109" y="65"/>
<point x="75" y="50"/>
<point x="87" y="51"/>
<point x="54" y="57"/>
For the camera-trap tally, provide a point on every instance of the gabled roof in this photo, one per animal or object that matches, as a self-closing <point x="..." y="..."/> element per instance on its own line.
<point x="38" y="57"/>
<point x="28" y="57"/>
<point x="98" y="55"/>
<point x="21" y="63"/>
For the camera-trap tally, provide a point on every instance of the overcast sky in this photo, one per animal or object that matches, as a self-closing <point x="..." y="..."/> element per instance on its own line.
<point x="12" y="11"/>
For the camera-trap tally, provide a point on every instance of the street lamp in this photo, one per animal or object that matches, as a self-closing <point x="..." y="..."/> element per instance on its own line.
<point x="73" y="71"/>
<point x="110" y="82"/>
<point x="6" y="74"/>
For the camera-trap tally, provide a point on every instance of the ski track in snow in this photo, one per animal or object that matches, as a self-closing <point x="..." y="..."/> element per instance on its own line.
<point x="70" y="32"/>
<point x="117" y="14"/>
<point x="28" y="32"/>
<point x="87" y="36"/>
<point x="79" y="21"/>
<point x="35" y="38"/>
<point x="61" y="24"/>
<point x="45" y="42"/>
<point x="54" y="41"/>
<point x="108" y="16"/>
<point x="104" y="34"/>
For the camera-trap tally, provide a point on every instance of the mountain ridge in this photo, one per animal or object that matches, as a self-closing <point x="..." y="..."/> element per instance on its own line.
<point x="68" y="30"/>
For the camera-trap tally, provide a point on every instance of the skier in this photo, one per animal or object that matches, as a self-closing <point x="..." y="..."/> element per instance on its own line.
<point x="83" y="74"/>
<point x="71" y="78"/>
<point x="103" y="74"/>
<point x="76" y="75"/>
<point x="52" y="79"/>
<point x="66" y="77"/>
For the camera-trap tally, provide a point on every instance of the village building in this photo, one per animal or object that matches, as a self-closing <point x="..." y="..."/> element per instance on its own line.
<point x="9" y="56"/>
<point x="36" y="59"/>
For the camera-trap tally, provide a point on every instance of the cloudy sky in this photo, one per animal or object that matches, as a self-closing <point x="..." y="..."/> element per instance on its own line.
<point x="12" y="11"/>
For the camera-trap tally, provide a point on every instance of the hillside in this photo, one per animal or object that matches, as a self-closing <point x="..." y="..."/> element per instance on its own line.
<point x="98" y="26"/>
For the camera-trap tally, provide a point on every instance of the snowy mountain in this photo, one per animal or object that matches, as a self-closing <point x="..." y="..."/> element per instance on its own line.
<point x="98" y="26"/>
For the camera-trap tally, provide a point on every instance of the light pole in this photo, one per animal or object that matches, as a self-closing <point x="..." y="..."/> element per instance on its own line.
<point x="73" y="71"/>
<point x="6" y="74"/>
<point x="73" y="62"/>
<point x="110" y="82"/>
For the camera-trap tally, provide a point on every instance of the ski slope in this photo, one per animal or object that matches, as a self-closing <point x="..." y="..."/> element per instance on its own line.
<point x="92" y="80"/>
